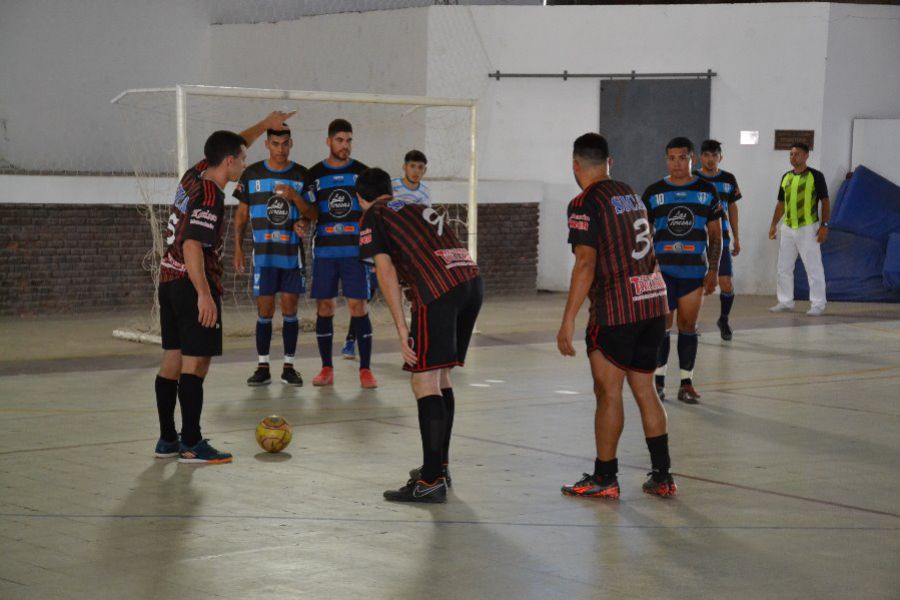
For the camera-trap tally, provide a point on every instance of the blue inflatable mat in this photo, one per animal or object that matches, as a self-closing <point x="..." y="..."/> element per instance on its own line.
<point x="868" y="205"/>
<point x="853" y="270"/>
<point x="892" y="263"/>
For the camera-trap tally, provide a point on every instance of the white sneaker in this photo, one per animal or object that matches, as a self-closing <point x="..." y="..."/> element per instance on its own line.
<point x="780" y="307"/>
<point x="815" y="311"/>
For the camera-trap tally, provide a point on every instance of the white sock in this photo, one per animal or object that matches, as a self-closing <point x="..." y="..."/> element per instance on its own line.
<point x="687" y="374"/>
<point x="288" y="360"/>
<point x="661" y="371"/>
<point x="264" y="359"/>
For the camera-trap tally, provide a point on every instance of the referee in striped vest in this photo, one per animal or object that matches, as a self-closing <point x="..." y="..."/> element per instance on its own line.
<point x="801" y="192"/>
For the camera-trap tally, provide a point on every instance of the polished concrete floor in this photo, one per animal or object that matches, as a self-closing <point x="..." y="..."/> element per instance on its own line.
<point x="788" y="472"/>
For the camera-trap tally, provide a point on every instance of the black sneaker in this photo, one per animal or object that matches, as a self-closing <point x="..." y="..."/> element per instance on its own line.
<point x="420" y="491"/>
<point x="593" y="486"/>
<point x="445" y="473"/>
<point x="724" y="328"/>
<point x="658" y="485"/>
<point x="260" y="377"/>
<point x="291" y="376"/>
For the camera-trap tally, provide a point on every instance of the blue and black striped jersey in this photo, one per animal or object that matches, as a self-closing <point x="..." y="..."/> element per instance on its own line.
<point x="333" y="191"/>
<point x="679" y="214"/>
<point x="272" y="218"/>
<point x="726" y="185"/>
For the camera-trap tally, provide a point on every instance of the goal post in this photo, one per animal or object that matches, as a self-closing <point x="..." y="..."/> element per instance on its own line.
<point x="172" y="114"/>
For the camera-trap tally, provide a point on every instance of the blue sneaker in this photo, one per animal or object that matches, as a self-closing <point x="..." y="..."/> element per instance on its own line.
<point x="166" y="449"/>
<point x="349" y="350"/>
<point x="202" y="453"/>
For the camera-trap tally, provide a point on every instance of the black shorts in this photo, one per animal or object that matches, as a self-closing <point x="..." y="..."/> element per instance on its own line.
<point x="440" y="331"/>
<point x="178" y="316"/>
<point x="630" y="347"/>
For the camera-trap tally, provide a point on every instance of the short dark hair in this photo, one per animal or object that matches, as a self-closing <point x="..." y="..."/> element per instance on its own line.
<point x="221" y="145"/>
<point x="711" y="146"/>
<point x="339" y="126"/>
<point x="415" y="156"/>
<point x="592" y="148"/>
<point x="801" y="146"/>
<point x="278" y="132"/>
<point x="680" y="142"/>
<point x="374" y="183"/>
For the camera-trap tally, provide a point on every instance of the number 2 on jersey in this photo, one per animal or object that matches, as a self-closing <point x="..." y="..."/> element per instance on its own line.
<point x="642" y="239"/>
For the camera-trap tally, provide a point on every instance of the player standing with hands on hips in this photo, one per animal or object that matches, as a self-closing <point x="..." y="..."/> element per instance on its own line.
<point x="190" y="290"/>
<point x="413" y="246"/>
<point x="615" y="267"/>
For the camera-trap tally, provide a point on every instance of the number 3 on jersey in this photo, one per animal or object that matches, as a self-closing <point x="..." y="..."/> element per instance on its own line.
<point x="641" y="239"/>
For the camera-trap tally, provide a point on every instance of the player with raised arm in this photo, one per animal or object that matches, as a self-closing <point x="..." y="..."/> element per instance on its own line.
<point x="190" y="290"/>
<point x="684" y="211"/>
<point x="615" y="267"/>
<point x="410" y="189"/>
<point x="270" y="198"/>
<point x="729" y="194"/>
<point x="332" y="190"/>
<point x="413" y="247"/>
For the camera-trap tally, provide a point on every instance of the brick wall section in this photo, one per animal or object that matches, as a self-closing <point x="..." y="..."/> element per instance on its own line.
<point x="87" y="258"/>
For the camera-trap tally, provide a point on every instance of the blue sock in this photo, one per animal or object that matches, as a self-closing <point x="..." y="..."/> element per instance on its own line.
<point x="290" y="331"/>
<point x="324" y="335"/>
<point x="263" y="336"/>
<point x="727" y="301"/>
<point x="362" y="330"/>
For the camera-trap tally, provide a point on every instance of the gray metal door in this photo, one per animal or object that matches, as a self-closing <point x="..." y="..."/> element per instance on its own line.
<point x="640" y="116"/>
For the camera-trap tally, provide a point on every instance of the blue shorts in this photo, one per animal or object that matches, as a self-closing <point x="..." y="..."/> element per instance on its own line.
<point x="725" y="268"/>
<point x="350" y="272"/>
<point x="267" y="281"/>
<point x="676" y="287"/>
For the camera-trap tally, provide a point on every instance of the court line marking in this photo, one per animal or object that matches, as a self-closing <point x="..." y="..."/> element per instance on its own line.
<point x="568" y="525"/>
<point x="683" y="475"/>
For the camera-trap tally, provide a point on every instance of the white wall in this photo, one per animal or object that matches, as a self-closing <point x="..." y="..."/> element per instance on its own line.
<point x="61" y="62"/>
<point x="876" y="145"/>
<point x="788" y="66"/>
<point x="529" y="124"/>
<point x="862" y="79"/>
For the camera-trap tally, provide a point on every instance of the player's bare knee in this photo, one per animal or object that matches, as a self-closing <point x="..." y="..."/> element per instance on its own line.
<point x="171" y="365"/>
<point x="265" y="306"/>
<point x="195" y="365"/>
<point x="725" y="285"/>
<point x="325" y="308"/>
<point x="289" y="304"/>
<point x="358" y="308"/>
<point x="426" y="383"/>
<point x="445" y="379"/>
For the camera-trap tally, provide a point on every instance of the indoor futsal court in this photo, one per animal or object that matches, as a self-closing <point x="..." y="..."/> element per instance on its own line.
<point x="289" y="291"/>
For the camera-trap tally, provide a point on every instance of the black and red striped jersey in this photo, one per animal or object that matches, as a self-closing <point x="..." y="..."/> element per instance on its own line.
<point x="429" y="258"/>
<point x="197" y="213"/>
<point x="628" y="286"/>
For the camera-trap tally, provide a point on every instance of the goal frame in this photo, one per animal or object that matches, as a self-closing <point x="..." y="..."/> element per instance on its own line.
<point x="183" y="91"/>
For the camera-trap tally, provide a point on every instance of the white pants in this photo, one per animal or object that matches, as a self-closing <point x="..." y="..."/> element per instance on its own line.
<point x="800" y="242"/>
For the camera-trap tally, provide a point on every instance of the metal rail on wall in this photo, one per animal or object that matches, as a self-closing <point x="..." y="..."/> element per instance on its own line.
<point x="709" y="74"/>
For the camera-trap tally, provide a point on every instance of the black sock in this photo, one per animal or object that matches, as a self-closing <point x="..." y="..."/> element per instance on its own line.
<point x="290" y="331"/>
<point x="606" y="468"/>
<point x="190" y="396"/>
<point x="660" y="381"/>
<point x="362" y="331"/>
<point x="351" y="337"/>
<point x="659" y="456"/>
<point x="449" y="409"/>
<point x="263" y="335"/>
<point x="662" y="354"/>
<point x="687" y="355"/>
<point x="324" y="335"/>
<point x="166" y="398"/>
<point x="432" y="424"/>
<point x="727" y="301"/>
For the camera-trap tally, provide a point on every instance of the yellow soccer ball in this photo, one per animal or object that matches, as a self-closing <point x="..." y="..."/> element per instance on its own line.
<point x="273" y="434"/>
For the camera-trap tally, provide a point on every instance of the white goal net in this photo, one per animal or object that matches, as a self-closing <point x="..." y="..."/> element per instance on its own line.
<point x="166" y="128"/>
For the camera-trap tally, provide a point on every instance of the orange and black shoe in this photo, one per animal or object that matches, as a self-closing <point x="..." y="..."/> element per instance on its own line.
<point x="688" y="394"/>
<point x="660" y="485"/>
<point x="593" y="486"/>
<point x="445" y="473"/>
